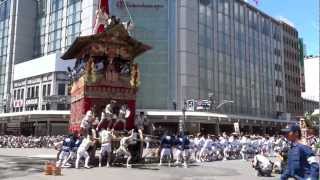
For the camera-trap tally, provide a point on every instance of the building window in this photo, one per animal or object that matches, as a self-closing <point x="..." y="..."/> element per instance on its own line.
<point x="40" y="32"/>
<point x="49" y="90"/>
<point x="32" y="92"/>
<point x="28" y="92"/>
<point x="61" y="89"/>
<point x="278" y="83"/>
<point x="44" y="90"/>
<point x="37" y="91"/>
<point x="22" y="93"/>
<point x="18" y="94"/>
<point x="55" y="25"/>
<point x="45" y="107"/>
<point x="61" y="107"/>
<point x="4" y="33"/>
<point x="279" y="99"/>
<point x="73" y="21"/>
<point x="15" y="94"/>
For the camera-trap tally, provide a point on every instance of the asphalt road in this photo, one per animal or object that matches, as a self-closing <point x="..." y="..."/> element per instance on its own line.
<point x="27" y="164"/>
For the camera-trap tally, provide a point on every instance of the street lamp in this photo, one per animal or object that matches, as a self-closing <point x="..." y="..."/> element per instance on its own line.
<point x="223" y="102"/>
<point x="211" y="100"/>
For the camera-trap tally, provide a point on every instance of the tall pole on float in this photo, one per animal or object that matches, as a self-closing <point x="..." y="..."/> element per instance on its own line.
<point x="105" y="4"/>
<point x="319" y="62"/>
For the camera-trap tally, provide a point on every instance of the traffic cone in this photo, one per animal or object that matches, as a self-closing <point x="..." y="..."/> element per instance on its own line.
<point x="48" y="168"/>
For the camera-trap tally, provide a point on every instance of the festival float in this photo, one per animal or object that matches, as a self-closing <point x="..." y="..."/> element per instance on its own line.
<point x="105" y="70"/>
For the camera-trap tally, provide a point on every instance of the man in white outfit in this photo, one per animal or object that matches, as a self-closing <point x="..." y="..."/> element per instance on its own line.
<point x="106" y="147"/>
<point x="86" y="122"/>
<point x="83" y="151"/>
<point x="199" y="144"/>
<point x="107" y="115"/>
<point x="206" y="149"/>
<point x="124" y="113"/>
<point x="123" y="149"/>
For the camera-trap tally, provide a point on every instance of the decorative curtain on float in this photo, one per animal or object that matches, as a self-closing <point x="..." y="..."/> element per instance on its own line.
<point x="105" y="4"/>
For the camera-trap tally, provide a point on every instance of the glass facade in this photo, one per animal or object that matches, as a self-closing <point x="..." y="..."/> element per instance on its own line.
<point x="55" y="25"/>
<point x="151" y="19"/>
<point x="73" y="21"/>
<point x="237" y="53"/>
<point x="40" y="30"/>
<point x="4" y="33"/>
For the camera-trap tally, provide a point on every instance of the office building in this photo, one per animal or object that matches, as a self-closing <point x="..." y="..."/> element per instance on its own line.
<point x="291" y="45"/>
<point x="227" y="49"/>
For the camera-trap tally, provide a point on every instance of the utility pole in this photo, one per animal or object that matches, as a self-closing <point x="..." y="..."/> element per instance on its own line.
<point x="183" y="120"/>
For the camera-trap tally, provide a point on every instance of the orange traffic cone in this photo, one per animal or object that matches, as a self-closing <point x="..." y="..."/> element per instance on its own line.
<point x="48" y="168"/>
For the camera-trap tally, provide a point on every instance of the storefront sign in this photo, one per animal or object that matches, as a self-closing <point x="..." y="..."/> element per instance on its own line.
<point x="18" y="103"/>
<point x="56" y="99"/>
<point x="31" y="101"/>
<point x="190" y="105"/>
<point x="121" y="4"/>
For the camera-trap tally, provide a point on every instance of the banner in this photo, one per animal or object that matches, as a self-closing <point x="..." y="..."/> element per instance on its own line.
<point x="236" y="128"/>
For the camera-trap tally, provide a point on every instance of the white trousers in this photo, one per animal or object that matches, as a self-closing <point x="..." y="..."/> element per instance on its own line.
<point x="63" y="157"/>
<point x="82" y="154"/>
<point x="165" y="152"/>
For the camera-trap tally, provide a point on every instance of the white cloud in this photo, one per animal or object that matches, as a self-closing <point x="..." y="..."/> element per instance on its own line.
<point x="286" y="20"/>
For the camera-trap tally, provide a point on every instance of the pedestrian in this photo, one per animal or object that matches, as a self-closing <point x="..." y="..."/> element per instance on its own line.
<point x="302" y="163"/>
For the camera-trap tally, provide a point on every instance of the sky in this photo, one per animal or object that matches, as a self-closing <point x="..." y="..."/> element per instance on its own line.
<point x="303" y="14"/>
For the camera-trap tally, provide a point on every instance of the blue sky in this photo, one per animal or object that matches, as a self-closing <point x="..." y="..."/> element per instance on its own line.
<point x="304" y="14"/>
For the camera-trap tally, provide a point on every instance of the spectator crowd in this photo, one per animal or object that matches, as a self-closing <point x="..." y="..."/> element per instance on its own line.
<point x="10" y="141"/>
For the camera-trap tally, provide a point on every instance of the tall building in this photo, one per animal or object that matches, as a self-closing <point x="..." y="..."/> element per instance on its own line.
<point x="227" y="48"/>
<point x="34" y="28"/>
<point x="311" y="94"/>
<point x="38" y="31"/>
<point x="6" y="28"/>
<point x="291" y="45"/>
<point x="40" y="96"/>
